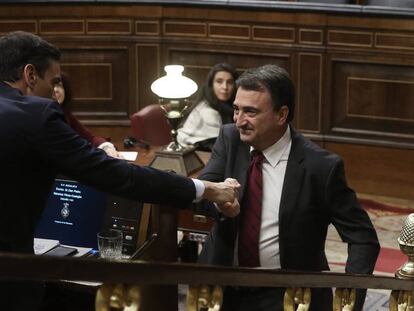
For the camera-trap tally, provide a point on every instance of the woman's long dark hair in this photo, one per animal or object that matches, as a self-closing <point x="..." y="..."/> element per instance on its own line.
<point x="68" y="91"/>
<point x="225" y="109"/>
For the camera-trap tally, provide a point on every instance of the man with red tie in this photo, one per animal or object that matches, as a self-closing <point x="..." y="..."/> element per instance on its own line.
<point x="291" y="191"/>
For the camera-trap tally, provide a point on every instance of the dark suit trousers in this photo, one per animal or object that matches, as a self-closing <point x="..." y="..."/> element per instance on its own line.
<point x="269" y="299"/>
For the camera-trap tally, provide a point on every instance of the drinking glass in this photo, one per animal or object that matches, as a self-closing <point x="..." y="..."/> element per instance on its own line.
<point x="110" y="244"/>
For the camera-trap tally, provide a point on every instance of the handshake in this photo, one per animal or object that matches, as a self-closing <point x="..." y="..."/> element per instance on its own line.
<point x="225" y="195"/>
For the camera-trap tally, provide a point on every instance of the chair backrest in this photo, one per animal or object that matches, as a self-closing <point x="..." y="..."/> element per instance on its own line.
<point x="151" y="125"/>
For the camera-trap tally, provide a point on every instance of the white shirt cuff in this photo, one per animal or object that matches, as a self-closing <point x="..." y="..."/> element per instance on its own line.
<point x="199" y="185"/>
<point x="106" y="144"/>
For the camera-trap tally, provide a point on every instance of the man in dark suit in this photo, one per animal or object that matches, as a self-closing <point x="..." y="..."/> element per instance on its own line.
<point x="36" y="144"/>
<point x="303" y="191"/>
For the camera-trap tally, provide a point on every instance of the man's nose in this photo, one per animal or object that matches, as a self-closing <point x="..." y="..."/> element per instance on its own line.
<point x="239" y="119"/>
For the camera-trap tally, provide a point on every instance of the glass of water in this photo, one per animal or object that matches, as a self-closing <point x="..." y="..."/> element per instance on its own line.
<point x="110" y="244"/>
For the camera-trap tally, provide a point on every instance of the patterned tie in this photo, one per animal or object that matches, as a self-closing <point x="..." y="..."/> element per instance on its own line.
<point x="250" y="217"/>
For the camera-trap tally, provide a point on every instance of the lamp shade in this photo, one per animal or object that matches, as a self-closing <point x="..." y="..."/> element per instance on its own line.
<point x="174" y="85"/>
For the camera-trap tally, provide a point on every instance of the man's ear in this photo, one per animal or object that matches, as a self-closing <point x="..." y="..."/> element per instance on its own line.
<point x="283" y="113"/>
<point x="30" y="76"/>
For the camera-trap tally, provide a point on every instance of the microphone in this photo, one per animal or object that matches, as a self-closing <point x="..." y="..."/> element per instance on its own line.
<point x="406" y="242"/>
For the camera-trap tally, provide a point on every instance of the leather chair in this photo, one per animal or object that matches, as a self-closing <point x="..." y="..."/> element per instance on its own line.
<point x="150" y="125"/>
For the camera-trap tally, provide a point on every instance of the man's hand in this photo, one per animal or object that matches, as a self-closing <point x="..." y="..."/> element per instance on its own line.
<point x="222" y="192"/>
<point x="230" y="209"/>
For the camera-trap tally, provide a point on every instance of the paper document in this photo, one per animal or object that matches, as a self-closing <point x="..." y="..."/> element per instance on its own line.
<point x="129" y="155"/>
<point x="41" y="246"/>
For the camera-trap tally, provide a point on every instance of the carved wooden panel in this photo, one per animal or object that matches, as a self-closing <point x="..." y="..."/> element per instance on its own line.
<point x="361" y="91"/>
<point x="99" y="78"/>
<point x="350" y="38"/>
<point x="275" y="34"/>
<point x="229" y="31"/>
<point x="309" y="92"/>
<point x="147" y="28"/>
<point x="394" y="41"/>
<point x="311" y="36"/>
<point x="373" y="99"/>
<point x="105" y="26"/>
<point x="13" y="25"/>
<point x="148" y="70"/>
<point x="176" y="28"/>
<point x="61" y="26"/>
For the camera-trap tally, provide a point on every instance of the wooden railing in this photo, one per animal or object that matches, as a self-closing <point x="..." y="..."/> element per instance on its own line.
<point x="150" y="280"/>
<point x="30" y="267"/>
<point x="143" y="274"/>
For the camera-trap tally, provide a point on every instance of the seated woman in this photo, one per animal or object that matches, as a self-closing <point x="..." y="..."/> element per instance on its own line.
<point x="213" y="109"/>
<point x="62" y="93"/>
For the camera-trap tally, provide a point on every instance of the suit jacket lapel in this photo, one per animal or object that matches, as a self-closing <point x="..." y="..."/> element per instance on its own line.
<point x="291" y="186"/>
<point x="241" y="166"/>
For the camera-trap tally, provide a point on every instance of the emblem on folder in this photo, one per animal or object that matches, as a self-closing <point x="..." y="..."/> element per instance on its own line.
<point x="65" y="210"/>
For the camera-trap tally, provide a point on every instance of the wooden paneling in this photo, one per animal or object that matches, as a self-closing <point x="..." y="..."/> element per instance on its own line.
<point x="185" y="29"/>
<point x="99" y="77"/>
<point x="377" y="170"/>
<point x="108" y="27"/>
<point x="394" y="41"/>
<point x="61" y="26"/>
<point x="373" y="99"/>
<point x="311" y="36"/>
<point x="350" y="38"/>
<point x="198" y="62"/>
<point x="309" y="92"/>
<point x="275" y="34"/>
<point x="70" y="10"/>
<point x="361" y="92"/>
<point x="148" y="70"/>
<point x="13" y="25"/>
<point x="99" y="86"/>
<point x="354" y="73"/>
<point x="147" y="28"/>
<point x="229" y="31"/>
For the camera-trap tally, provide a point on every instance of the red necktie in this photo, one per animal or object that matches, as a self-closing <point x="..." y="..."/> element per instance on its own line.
<point x="250" y="218"/>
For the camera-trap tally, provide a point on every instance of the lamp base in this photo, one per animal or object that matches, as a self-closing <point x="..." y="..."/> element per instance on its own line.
<point x="182" y="162"/>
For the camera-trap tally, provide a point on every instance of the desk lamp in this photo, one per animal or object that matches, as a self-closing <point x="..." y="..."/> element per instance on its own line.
<point x="173" y="91"/>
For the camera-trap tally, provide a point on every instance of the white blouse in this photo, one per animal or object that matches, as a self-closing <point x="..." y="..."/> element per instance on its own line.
<point x="202" y="123"/>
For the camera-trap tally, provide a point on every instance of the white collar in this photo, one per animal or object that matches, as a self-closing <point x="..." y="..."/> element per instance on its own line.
<point x="279" y="150"/>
